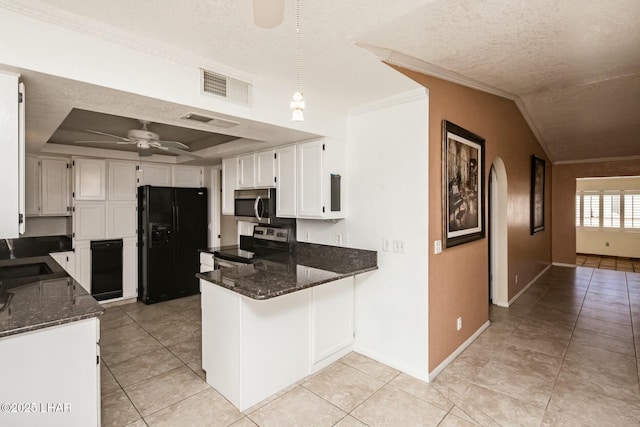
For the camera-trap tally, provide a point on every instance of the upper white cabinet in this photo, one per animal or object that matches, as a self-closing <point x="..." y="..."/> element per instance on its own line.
<point x="11" y="157"/>
<point x="89" y="179"/>
<point x="246" y="171"/>
<point x="155" y="174"/>
<point x="264" y="165"/>
<point x="320" y="187"/>
<point x="229" y="184"/>
<point x="286" y="178"/>
<point x="89" y="221"/>
<point x="122" y="181"/>
<point x="46" y="187"/>
<point x="121" y="220"/>
<point x="187" y="176"/>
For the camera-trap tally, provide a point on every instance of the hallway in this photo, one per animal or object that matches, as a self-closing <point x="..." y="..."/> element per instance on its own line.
<point x="565" y="354"/>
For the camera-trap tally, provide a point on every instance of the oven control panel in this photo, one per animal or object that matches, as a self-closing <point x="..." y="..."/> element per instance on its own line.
<point x="271" y="233"/>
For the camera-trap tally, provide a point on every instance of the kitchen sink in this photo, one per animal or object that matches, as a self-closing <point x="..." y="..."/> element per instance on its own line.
<point x="10" y="272"/>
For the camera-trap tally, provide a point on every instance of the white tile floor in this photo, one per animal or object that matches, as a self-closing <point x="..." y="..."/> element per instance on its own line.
<point x="565" y="354"/>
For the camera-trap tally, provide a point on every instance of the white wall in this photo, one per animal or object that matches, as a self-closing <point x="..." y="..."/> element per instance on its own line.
<point x="47" y="226"/>
<point x="387" y="191"/>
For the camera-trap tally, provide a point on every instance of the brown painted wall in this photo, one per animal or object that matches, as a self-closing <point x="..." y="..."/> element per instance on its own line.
<point x="564" y="200"/>
<point x="458" y="278"/>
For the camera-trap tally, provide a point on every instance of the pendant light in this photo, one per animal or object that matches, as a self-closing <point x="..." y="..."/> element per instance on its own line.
<point x="297" y="104"/>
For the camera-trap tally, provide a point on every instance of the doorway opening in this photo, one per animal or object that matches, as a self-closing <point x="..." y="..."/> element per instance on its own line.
<point x="498" y="254"/>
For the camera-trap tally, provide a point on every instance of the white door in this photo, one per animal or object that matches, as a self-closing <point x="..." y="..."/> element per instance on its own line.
<point x="32" y="186"/>
<point x="89" y="179"/>
<point x="265" y="169"/>
<point x="187" y="176"/>
<point x="55" y="187"/>
<point x="122" y="181"/>
<point x="89" y="220"/>
<point x="310" y="189"/>
<point x="229" y="184"/>
<point x="155" y="174"/>
<point x="286" y="182"/>
<point x="11" y="174"/>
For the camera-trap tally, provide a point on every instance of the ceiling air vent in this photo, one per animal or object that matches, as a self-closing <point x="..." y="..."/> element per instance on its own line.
<point x="215" y="121"/>
<point x="226" y="87"/>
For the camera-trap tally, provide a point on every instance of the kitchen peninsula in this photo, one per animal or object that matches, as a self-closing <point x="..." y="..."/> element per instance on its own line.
<point x="270" y="323"/>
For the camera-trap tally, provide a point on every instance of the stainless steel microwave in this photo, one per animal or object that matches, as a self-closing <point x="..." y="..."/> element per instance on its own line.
<point x="255" y="205"/>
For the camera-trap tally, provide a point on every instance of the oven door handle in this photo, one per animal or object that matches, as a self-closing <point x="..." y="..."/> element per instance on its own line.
<point x="255" y="208"/>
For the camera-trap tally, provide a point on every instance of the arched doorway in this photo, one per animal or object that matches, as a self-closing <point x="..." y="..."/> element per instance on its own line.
<point x="498" y="261"/>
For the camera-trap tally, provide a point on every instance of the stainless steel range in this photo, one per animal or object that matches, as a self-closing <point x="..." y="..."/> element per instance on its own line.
<point x="264" y="242"/>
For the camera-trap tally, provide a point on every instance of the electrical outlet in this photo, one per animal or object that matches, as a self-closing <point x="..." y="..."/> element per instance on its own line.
<point x="385" y="245"/>
<point x="306" y="236"/>
<point x="437" y="247"/>
<point x="459" y="323"/>
<point x="516" y="279"/>
<point x="338" y="239"/>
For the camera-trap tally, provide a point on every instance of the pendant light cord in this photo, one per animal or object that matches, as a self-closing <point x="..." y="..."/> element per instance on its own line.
<point x="298" y="45"/>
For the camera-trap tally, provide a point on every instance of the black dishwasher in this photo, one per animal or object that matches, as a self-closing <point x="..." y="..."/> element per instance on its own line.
<point x="106" y="269"/>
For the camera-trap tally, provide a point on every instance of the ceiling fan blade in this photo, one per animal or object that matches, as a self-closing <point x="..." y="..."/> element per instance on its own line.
<point x="182" y="152"/>
<point x="268" y="13"/>
<point x="108" y="134"/>
<point x="106" y="142"/>
<point x="174" y="144"/>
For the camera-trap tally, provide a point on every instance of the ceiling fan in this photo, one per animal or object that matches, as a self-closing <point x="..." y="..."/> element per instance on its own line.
<point x="145" y="141"/>
<point x="268" y="13"/>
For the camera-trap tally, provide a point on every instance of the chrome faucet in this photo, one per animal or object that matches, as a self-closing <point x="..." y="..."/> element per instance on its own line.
<point x="10" y="246"/>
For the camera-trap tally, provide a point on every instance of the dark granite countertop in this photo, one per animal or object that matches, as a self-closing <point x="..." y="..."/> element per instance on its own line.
<point x="42" y="299"/>
<point x="310" y="265"/>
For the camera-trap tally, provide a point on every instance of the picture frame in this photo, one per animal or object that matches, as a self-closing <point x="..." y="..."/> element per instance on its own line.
<point x="463" y="185"/>
<point x="537" y="194"/>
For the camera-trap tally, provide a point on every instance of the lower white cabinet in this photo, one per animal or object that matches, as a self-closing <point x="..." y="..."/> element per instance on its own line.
<point x="53" y="368"/>
<point x="252" y="349"/>
<point x="82" y="252"/>
<point x="66" y="260"/>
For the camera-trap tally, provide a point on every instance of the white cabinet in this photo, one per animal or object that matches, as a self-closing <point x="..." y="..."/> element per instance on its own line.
<point x="206" y="262"/>
<point x="264" y="165"/>
<point x="55" y="187"/>
<point x="229" y="184"/>
<point x="89" y="220"/>
<point x="46" y="186"/>
<point x="121" y="220"/>
<point x="89" y="179"/>
<point x="32" y="186"/>
<point x="320" y="188"/>
<point x="246" y="171"/>
<point x="58" y="365"/>
<point x="331" y="319"/>
<point x="122" y="181"/>
<point x="11" y="157"/>
<point x="129" y="268"/>
<point x="155" y="174"/>
<point x="187" y="176"/>
<point x="66" y="261"/>
<point x="286" y="178"/>
<point x="82" y="252"/>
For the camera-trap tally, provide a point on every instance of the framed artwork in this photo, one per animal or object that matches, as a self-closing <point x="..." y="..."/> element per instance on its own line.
<point x="537" y="194"/>
<point x="463" y="182"/>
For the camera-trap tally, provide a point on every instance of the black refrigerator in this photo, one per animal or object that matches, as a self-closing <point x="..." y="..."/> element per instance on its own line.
<point x="172" y="228"/>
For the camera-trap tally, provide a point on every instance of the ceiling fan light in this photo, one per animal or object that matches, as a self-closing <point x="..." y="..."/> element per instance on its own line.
<point x="268" y="13"/>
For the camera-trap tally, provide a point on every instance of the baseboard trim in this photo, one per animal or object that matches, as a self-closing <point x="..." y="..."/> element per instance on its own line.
<point x="421" y="375"/>
<point x="117" y="301"/>
<point x="433" y="374"/>
<point x="562" y="264"/>
<point x="519" y="294"/>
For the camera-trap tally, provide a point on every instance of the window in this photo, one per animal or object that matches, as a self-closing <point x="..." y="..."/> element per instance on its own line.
<point x="578" y="216"/>
<point x="631" y="211"/>
<point x="591" y="210"/>
<point x="611" y="210"/>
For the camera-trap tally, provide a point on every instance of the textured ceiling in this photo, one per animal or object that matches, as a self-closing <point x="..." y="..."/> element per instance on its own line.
<point x="573" y="65"/>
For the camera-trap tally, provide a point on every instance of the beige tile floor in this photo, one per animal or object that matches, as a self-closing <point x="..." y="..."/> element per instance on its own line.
<point x="565" y="354"/>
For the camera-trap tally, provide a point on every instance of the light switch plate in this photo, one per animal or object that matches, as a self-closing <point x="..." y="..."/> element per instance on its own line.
<point x="437" y="247"/>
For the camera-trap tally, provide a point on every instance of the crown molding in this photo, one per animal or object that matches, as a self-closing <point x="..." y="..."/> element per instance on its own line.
<point x="418" y="94"/>
<point x="597" y="160"/>
<point x="417" y="65"/>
